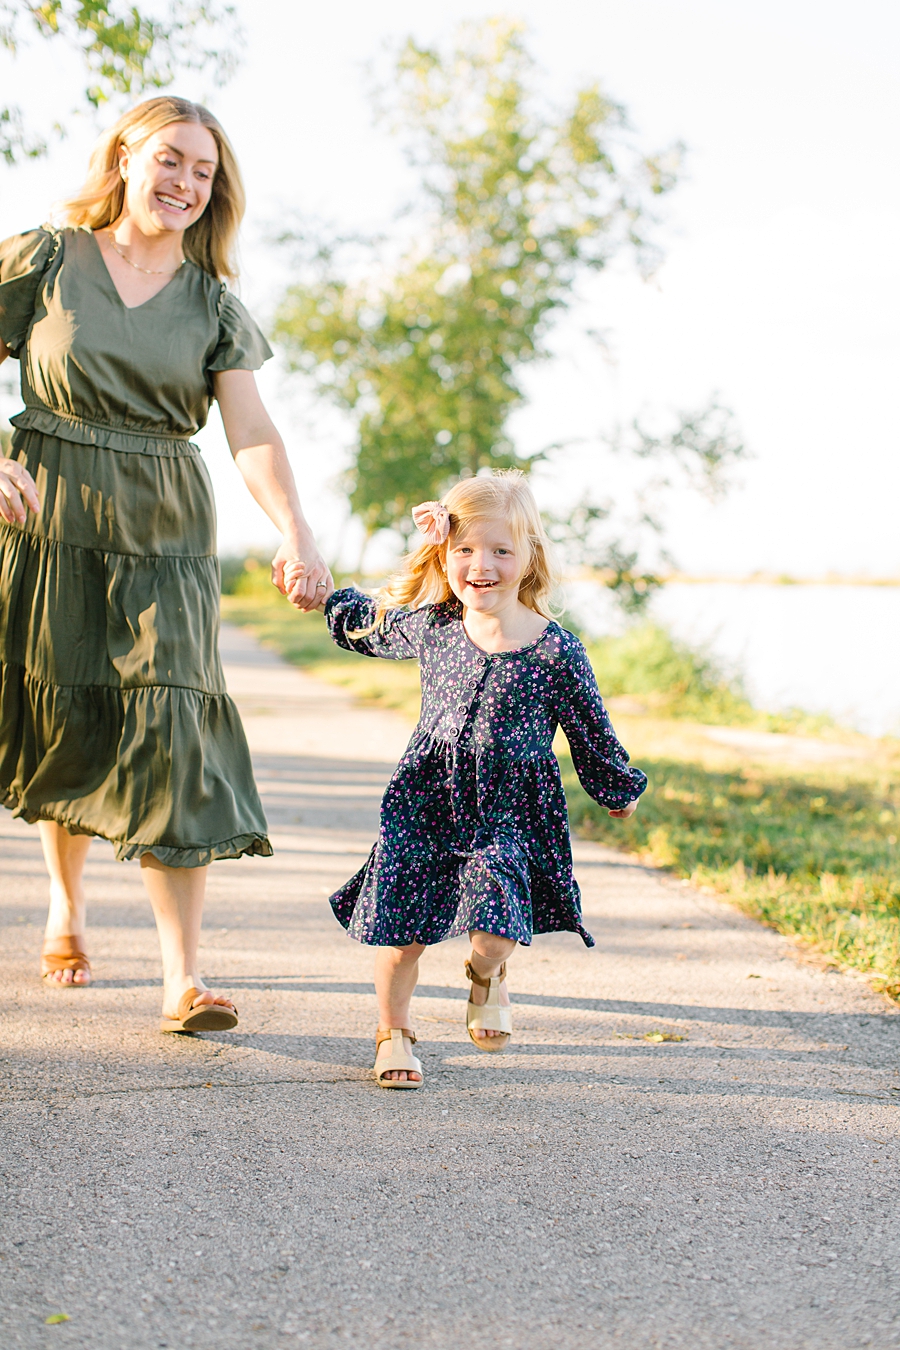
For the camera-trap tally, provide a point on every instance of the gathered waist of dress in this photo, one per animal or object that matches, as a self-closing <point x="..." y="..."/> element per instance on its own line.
<point x="130" y="440"/>
<point x="428" y="740"/>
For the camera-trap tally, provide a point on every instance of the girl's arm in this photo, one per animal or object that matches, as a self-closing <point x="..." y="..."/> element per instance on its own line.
<point x="600" y="761"/>
<point x="260" y="455"/>
<point x="398" y="639"/>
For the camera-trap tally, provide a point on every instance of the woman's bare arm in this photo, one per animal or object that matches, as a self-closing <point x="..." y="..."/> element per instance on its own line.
<point x="16" y="482"/>
<point x="260" y="455"/>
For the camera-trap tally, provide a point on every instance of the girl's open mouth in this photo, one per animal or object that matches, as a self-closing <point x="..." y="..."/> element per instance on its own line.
<point x="481" y="585"/>
<point x="171" y="202"/>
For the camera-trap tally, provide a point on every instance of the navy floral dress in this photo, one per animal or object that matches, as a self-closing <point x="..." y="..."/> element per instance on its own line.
<point x="474" y="829"/>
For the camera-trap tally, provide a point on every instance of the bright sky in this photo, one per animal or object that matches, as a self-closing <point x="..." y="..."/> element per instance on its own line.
<point x="781" y="287"/>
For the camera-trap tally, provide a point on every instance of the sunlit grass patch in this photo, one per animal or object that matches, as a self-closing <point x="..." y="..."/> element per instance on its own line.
<point x="813" y="855"/>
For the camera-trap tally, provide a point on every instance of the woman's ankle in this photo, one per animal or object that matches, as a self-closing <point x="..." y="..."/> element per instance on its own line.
<point x="178" y="982"/>
<point x="66" y="915"/>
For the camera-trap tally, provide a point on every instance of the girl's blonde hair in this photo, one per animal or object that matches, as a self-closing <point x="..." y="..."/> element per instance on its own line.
<point x="211" y="242"/>
<point x="504" y="495"/>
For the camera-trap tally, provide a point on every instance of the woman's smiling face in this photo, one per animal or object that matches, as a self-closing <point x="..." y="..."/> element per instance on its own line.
<point x="169" y="178"/>
<point x="485" y="567"/>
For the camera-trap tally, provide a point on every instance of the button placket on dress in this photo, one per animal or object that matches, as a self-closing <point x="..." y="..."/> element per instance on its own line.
<point x="462" y="713"/>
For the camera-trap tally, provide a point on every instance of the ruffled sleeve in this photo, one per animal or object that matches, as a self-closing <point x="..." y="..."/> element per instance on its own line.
<point x="399" y="637"/>
<point x="24" y="259"/>
<point x="241" y="345"/>
<point x="600" y="761"/>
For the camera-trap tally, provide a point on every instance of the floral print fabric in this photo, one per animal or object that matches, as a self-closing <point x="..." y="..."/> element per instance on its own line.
<point x="474" y="828"/>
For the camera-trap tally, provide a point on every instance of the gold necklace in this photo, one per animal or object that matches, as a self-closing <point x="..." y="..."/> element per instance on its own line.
<point x="148" y="271"/>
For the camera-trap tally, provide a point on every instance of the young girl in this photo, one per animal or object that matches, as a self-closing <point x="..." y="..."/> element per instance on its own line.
<point x="474" y="832"/>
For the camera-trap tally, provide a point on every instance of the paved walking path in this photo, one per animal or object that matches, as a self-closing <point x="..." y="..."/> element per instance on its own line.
<point x="591" y="1188"/>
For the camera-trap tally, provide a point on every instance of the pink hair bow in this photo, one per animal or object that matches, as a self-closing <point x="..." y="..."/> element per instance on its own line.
<point x="433" y="520"/>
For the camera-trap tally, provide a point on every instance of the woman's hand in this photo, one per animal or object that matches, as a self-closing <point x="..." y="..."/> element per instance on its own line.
<point x="625" y="812"/>
<point x="16" y="483"/>
<point x="303" y="576"/>
<point x="259" y="453"/>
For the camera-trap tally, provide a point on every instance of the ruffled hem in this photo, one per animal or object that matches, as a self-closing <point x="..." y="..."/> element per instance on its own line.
<point x="154" y="769"/>
<point x="69" y="428"/>
<point x="199" y="855"/>
<point x="429" y="899"/>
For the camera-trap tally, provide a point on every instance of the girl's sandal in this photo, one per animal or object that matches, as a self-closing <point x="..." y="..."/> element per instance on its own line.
<point x="488" y="1016"/>
<point x="206" y="1017"/>
<point x="67" y="956"/>
<point x="398" y="1059"/>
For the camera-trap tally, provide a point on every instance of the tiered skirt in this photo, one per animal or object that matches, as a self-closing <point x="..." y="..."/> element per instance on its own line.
<point x="114" y="719"/>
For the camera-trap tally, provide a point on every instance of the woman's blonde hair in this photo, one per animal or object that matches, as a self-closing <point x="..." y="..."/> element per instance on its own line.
<point x="211" y="242"/>
<point x="503" y="495"/>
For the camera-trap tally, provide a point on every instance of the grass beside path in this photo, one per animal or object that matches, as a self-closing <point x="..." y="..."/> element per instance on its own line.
<point x="811" y="850"/>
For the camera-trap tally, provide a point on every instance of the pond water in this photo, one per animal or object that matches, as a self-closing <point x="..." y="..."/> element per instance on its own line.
<point x="830" y="649"/>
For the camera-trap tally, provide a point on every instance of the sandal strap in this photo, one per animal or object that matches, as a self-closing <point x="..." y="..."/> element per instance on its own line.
<point x="399" y="1059"/>
<point x="489" y="1017"/>
<point x="185" y="1003"/>
<point x="484" y="980"/>
<point x="386" y="1035"/>
<point x="70" y="957"/>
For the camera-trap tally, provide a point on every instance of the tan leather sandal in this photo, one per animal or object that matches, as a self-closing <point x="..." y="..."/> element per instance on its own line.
<point x="68" y="956"/>
<point x="399" y="1058"/>
<point x="206" y="1017"/>
<point x="488" y="1016"/>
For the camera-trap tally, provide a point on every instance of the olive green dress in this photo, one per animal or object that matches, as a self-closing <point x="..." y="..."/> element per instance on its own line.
<point x="114" y="720"/>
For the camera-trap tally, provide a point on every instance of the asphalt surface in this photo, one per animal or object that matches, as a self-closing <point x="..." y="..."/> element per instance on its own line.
<point x="589" y="1188"/>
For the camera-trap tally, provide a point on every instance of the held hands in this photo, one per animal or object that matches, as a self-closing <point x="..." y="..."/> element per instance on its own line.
<point x="16" y="483"/>
<point x="625" y="812"/>
<point x="306" y="582"/>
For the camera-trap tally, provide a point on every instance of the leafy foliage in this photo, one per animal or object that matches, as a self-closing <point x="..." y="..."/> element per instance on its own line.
<point x="517" y="201"/>
<point x="126" y="50"/>
<point x="625" y="550"/>
<point x="676" y="680"/>
<point x="662" y="677"/>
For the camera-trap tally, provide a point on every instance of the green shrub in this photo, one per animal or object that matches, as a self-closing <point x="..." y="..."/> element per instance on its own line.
<point x="246" y="574"/>
<point x="674" y="678"/>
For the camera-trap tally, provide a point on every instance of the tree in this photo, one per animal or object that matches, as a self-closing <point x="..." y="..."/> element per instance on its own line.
<point x="126" y="50"/>
<point x="517" y="201"/>
<point x="625" y="549"/>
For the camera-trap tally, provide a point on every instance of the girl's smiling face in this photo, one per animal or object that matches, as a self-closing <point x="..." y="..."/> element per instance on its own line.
<point x="485" y="567"/>
<point x="169" y="177"/>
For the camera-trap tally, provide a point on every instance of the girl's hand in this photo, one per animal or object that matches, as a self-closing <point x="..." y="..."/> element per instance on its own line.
<point x="305" y="587"/>
<point x="625" y="812"/>
<point x="15" y="483"/>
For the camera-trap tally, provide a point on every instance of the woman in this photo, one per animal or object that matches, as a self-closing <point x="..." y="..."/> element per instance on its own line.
<point x="114" y="719"/>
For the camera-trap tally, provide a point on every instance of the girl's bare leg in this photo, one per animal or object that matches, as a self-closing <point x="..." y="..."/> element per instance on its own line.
<point x="488" y="954"/>
<point x="176" y="894"/>
<point x="396" y="974"/>
<point x="65" y="856"/>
